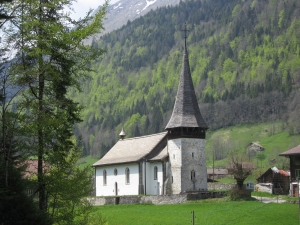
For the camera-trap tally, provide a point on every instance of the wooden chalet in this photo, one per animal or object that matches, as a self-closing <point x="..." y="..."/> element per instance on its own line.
<point x="294" y="156"/>
<point x="278" y="180"/>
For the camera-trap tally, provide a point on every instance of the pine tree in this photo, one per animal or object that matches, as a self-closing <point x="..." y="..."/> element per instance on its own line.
<point x="51" y="59"/>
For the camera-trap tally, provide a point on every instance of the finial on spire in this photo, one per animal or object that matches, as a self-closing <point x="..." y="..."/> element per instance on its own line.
<point x="185" y="33"/>
<point x="122" y="134"/>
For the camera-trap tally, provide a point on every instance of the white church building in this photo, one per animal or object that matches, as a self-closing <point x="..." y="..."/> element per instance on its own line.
<point x="171" y="162"/>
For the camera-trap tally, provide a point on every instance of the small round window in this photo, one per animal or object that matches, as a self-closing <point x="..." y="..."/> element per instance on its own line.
<point x="115" y="172"/>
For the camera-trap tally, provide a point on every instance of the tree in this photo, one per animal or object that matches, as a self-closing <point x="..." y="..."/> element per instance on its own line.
<point x="261" y="157"/>
<point x="67" y="187"/>
<point x="239" y="169"/>
<point x="51" y="60"/>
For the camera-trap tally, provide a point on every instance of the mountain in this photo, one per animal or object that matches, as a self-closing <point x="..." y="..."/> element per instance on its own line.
<point x="120" y="13"/>
<point x="244" y="58"/>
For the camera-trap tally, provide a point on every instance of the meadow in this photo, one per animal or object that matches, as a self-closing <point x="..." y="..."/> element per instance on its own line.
<point x="207" y="212"/>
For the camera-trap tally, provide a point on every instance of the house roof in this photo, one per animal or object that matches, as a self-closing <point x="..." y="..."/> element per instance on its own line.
<point x="133" y="150"/>
<point x="186" y="112"/>
<point x="293" y="151"/>
<point x="32" y="167"/>
<point x="274" y="170"/>
<point x="217" y="171"/>
<point x="162" y="155"/>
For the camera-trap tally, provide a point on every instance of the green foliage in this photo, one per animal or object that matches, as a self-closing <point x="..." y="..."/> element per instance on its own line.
<point x="237" y="194"/>
<point x="244" y="67"/>
<point x="16" y="207"/>
<point x="67" y="186"/>
<point x="51" y="59"/>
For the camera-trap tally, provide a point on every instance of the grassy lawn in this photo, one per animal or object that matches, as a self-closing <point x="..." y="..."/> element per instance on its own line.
<point x="86" y="161"/>
<point x="206" y="212"/>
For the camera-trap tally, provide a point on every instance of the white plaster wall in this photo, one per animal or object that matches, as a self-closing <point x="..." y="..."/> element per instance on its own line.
<point x="123" y="188"/>
<point x="154" y="187"/>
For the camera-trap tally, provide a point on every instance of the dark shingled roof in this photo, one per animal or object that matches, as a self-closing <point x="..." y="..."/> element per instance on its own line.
<point x="186" y="112"/>
<point x="134" y="149"/>
<point x="293" y="151"/>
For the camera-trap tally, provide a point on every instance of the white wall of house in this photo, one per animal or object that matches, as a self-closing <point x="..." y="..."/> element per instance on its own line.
<point x="154" y="186"/>
<point x="118" y="180"/>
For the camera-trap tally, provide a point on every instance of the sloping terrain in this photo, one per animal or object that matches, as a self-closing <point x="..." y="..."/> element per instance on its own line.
<point x="244" y="58"/>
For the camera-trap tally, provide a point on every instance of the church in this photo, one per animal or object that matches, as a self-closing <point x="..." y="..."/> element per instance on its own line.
<point x="171" y="162"/>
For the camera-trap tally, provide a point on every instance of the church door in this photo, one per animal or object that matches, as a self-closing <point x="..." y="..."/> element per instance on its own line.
<point x="116" y="188"/>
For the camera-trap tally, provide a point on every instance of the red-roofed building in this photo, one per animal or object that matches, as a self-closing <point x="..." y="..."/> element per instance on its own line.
<point x="278" y="181"/>
<point x="294" y="156"/>
<point x="32" y="170"/>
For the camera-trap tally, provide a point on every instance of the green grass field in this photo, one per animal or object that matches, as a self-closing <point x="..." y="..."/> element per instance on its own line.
<point x="86" y="161"/>
<point x="206" y="213"/>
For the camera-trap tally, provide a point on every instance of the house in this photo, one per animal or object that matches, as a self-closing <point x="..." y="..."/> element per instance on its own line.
<point x="274" y="181"/>
<point x="294" y="156"/>
<point x="30" y="172"/>
<point x="170" y="162"/>
<point x="216" y="173"/>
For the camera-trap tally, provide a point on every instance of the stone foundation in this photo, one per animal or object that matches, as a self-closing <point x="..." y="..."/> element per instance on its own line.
<point x="155" y="199"/>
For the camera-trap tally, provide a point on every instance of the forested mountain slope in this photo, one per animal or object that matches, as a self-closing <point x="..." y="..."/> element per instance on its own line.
<point x="244" y="58"/>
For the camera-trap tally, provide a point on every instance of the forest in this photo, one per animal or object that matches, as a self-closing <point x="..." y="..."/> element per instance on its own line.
<point x="244" y="59"/>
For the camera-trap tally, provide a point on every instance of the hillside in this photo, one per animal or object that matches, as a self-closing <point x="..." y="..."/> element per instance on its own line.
<point x="244" y="58"/>
<point x="236" y="139"/>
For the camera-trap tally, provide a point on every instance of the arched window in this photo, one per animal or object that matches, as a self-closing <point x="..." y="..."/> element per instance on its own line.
<point x="192" y="154"/>
<point x="155" y="172"/>
<point x="104" y="177"/>
<point x="115" y="172"/>
<point x="193" y="175"/>
<point x="127" y="176"/>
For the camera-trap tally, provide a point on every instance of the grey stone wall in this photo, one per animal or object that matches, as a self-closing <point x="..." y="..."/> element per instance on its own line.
<point x="187" y="155"/>
<point x="155" y="199"/>
<point x="219" y="186"/>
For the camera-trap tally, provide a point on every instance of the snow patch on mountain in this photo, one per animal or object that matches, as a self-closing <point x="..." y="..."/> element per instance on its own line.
<point x="122" y="11"/>
<point x="117" y="6"/>
<point x="148" y="4"/>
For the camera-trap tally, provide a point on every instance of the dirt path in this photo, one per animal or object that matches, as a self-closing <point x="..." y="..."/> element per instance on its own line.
<point x="269" y="200"/>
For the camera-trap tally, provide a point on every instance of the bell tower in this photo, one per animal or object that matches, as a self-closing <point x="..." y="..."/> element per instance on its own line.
<point x="186" y="137"/>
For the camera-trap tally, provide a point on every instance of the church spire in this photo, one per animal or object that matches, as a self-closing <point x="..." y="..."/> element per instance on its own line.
<point x="186" y="112"/>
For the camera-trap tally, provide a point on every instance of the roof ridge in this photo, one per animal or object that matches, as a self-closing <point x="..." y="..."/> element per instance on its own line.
<point x="145" y="136"/>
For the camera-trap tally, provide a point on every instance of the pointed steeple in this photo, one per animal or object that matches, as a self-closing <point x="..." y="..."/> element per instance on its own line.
<point x="186" y="112"/>
<point x="122" y="134"/>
